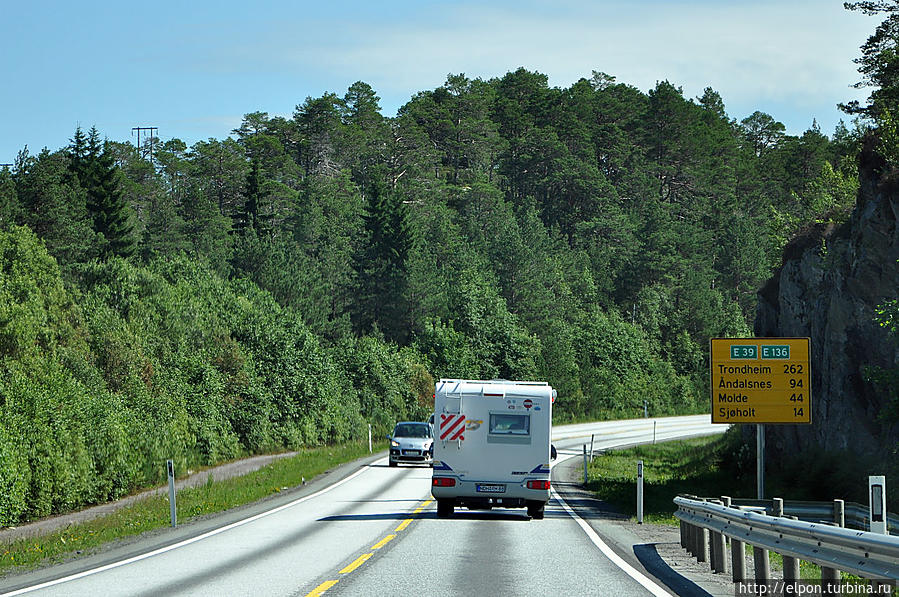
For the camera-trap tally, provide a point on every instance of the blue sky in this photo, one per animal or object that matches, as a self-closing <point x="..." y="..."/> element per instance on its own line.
<point x="193" y="68"/>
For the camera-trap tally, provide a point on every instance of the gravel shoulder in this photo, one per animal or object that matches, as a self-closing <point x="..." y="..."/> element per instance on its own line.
<point x="653" y="549"/>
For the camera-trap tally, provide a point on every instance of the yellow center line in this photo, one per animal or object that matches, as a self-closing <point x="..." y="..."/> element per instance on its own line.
<point x="321" y="588"/>
<point x="358" y="562"/>
<point x="383" y="542"/>
<point x="404" y="524"/>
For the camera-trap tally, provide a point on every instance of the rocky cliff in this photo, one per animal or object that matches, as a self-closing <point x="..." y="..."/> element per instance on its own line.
<point x="827" y="289"/>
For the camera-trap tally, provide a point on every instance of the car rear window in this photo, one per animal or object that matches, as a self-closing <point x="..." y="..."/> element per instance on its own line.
<point x="412" y="430"/>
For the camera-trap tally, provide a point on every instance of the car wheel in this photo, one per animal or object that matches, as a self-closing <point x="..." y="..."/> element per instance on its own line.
<point x="444" y="508"/>
<point x="536" y="509"/>
<point x="391" y="463"/>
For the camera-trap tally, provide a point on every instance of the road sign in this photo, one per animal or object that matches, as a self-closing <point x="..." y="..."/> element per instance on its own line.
<point x="760" y="380"/>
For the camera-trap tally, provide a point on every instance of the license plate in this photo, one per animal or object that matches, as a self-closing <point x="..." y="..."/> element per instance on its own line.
<point x="492" y="488"/>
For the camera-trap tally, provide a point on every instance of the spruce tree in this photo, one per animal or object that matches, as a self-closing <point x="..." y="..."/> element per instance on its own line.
<point x="92" y="164"/>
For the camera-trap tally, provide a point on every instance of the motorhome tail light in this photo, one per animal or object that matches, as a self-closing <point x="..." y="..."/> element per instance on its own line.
<point x="443" y="482"/>
<point x="538" y="484"/>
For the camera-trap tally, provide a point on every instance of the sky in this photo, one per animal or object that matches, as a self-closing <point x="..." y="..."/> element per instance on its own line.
<point x="194" y="68"/>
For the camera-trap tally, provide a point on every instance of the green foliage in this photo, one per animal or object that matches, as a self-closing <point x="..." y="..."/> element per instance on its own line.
<point x="316" y="273"/>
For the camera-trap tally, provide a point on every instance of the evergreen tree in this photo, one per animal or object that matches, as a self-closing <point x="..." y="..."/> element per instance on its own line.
<point x="381" y="266"/>
<point x="93" y="165"/>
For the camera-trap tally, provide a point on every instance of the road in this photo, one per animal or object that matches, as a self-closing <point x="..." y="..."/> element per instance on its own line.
<point x="376" y="532"/>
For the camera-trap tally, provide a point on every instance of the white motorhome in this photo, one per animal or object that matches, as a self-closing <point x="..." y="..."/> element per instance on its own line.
<point x="492" y="445"/>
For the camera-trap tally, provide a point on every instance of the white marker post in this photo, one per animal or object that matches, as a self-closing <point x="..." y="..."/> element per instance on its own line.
<point x="640" y="491"/>
<point x="877" y="496"/>
<point x="585" y="464"/>
<point x="170" y="466"/>
<point x="369" y="438"/>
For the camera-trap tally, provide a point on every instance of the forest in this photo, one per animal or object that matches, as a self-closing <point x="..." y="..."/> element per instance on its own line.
<point x="309" y="275"/>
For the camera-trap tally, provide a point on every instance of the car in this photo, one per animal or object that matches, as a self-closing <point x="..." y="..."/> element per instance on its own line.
<point x="411" y="442"/>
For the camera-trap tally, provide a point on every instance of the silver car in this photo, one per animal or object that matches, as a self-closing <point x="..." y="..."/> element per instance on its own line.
<point x="411" y="441"/>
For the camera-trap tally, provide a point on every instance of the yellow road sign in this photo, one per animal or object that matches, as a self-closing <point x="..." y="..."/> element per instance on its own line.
<point x="760" y="380"/>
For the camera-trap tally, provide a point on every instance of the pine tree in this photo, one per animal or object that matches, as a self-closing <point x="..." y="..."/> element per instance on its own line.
<point x="92" y="164"/>
<point x="382" y="265"/>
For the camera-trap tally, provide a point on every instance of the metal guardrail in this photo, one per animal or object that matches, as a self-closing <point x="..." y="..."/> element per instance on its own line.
<point x="856" y="516"/>
<point x="866" y="554"/>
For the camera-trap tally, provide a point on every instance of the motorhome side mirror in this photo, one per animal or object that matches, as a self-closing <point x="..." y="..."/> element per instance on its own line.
<point x="552" y="452"/>
<point x="388" y="437"/>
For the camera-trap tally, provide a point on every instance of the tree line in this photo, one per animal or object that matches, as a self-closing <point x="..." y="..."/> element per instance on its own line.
<point x="310" y="274"/>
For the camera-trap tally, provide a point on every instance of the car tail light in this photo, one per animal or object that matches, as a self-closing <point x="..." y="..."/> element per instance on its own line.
<point x="538" y="484"/>
<point x="443" y="482"/>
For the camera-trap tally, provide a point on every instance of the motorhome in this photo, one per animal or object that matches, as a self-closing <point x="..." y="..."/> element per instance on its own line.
<point x="492" y="445"/>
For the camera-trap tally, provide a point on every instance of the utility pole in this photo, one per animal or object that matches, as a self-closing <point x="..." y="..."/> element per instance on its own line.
<point x="152" y="135"/>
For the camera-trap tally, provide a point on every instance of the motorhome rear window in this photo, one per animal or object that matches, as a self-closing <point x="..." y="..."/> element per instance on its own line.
<point x="510" y="424"/>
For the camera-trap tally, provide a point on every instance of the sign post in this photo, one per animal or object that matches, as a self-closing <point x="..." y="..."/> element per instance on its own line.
<point x="760" y="381"/>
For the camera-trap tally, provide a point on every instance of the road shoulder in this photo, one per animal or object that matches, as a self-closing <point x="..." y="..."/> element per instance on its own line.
<point x="650" y="548"/>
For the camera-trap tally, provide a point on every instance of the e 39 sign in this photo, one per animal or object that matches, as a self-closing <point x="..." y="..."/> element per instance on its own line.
<point x="760" y="380"/>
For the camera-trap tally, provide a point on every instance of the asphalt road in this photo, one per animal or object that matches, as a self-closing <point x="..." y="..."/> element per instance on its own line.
<point x="375" y="531"/>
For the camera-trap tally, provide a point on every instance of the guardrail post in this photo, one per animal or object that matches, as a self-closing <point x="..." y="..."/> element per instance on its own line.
<point x="839" y="513"/>
<point x="777" y="507"/>
<point x="718" y="548"/>
<point x="830" y="580"/>
<point x="830" y="577"/>
<point x="683" y="534"/>
<point x="762" y="565"/>
<point x="738" y="560"/>
<point x="693" y="540"/>
<point x="791" y="567"/>
<point x="702" y="544"/>
<point x="719" y="553"/>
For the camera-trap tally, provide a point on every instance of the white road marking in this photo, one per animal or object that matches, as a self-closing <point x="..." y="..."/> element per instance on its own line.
<point x="638" y="576"/>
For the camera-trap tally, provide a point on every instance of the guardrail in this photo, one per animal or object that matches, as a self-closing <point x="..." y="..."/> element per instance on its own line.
<point x="707" y="524"/>
<point x="848" y="514"/>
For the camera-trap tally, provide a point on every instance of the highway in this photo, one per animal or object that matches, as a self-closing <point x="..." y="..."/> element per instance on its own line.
<point x="375" y="531"/>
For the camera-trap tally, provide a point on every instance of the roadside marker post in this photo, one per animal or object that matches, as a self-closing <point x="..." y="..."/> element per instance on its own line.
<point x="640" y="492"/>
<point x="585" y="465"/>
<point x="170" y="467"/>
<point x="877" y="496"/>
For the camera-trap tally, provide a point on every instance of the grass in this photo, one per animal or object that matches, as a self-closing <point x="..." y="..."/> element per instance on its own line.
<point x="153" y="513"/>
<point x="691" y="466"/>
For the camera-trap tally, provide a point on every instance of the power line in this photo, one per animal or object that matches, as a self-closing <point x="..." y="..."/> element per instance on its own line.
<point x="151" y="129"/>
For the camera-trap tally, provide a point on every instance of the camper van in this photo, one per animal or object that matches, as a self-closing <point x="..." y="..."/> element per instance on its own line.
<point x="492" y="445"/>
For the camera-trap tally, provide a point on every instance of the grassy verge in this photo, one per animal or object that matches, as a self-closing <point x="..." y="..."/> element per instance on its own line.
<point x="692" y="466"/>
<point x="153" y="513"/>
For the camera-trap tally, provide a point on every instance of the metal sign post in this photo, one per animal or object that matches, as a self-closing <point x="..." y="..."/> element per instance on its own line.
<point x="760" y="461"/>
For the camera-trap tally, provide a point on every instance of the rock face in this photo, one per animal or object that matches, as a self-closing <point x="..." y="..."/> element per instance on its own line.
<point x="827" y="289"/>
